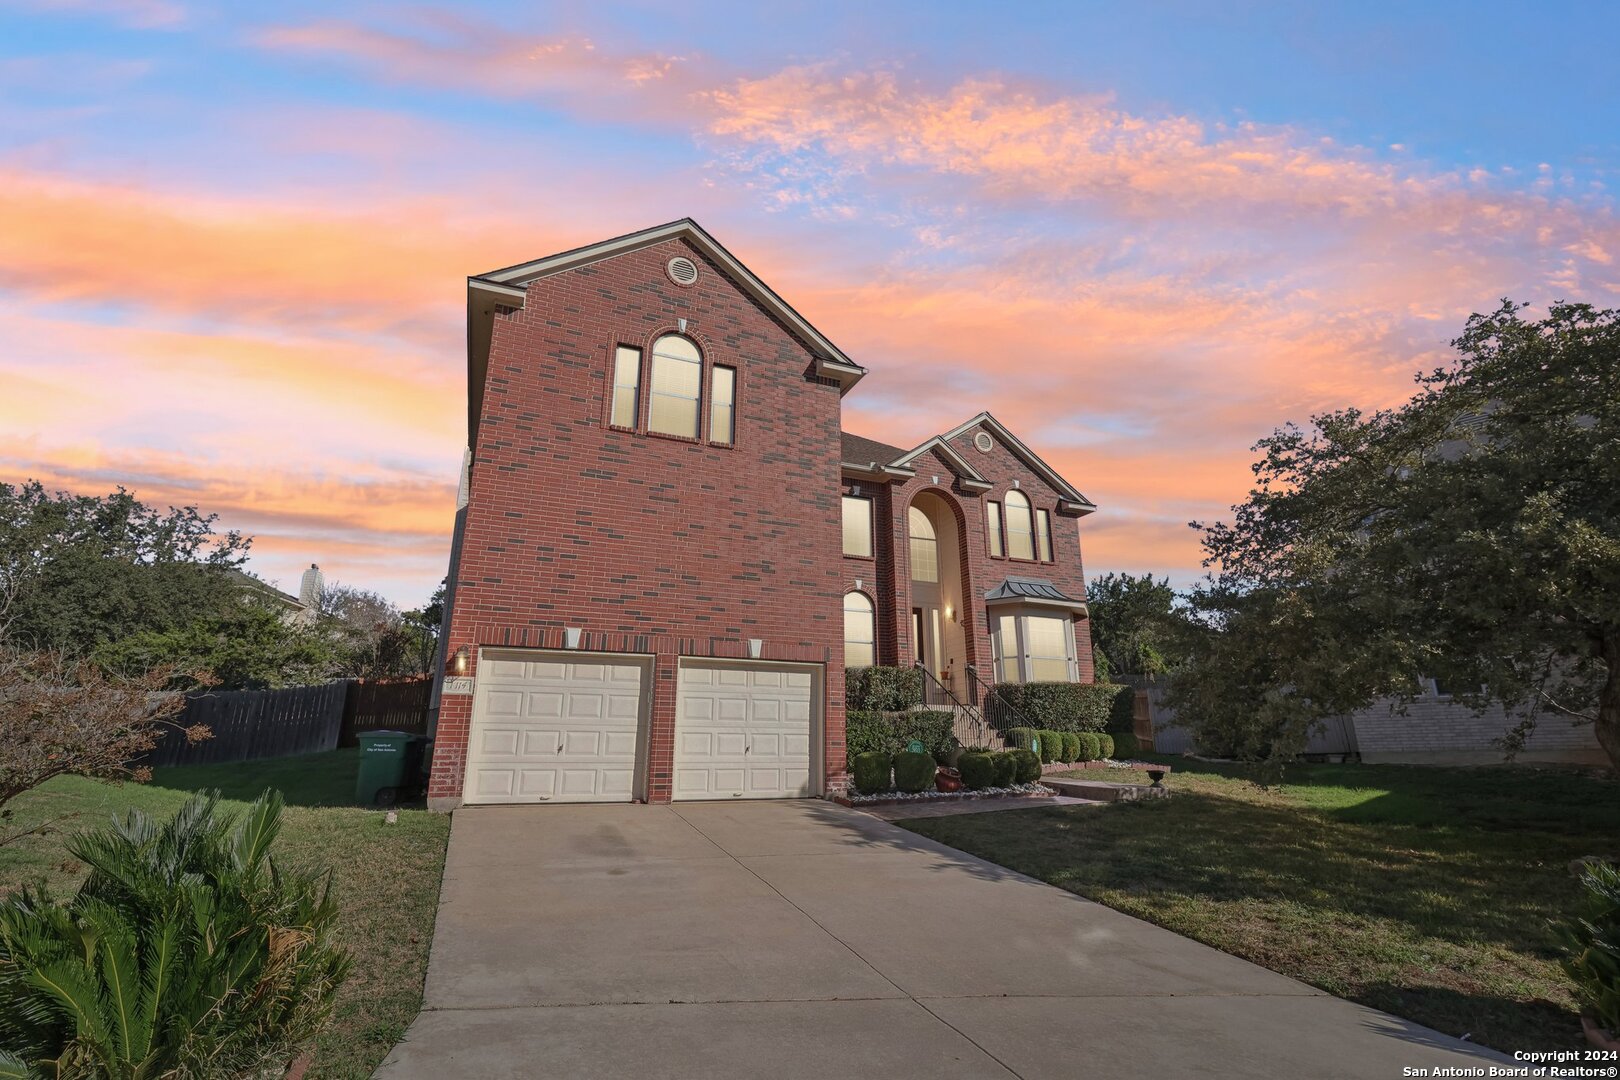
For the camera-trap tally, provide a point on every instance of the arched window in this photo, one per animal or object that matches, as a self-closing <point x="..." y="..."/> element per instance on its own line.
<point x="675" y="387"/>
<point x="1020" y="526"/>
<point x="860" y="631"/>
<point x="924" y="547"/>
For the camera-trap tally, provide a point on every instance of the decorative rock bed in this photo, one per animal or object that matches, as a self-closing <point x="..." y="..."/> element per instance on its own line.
<point x="1035" y="790"/>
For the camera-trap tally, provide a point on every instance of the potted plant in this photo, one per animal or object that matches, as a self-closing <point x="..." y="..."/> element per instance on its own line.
<point x="1592" y="954"/>
<point x="947" y="779"/>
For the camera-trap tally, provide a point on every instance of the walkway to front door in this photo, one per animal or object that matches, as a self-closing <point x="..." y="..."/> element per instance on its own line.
<point x="803" y="940"/>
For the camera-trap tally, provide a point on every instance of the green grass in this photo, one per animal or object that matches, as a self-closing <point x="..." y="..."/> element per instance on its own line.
<point x="386" y="876"/>
<point x="1425" y="892"/>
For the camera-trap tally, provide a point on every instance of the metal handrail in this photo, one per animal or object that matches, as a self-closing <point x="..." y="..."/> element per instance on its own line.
<point x="993" y="717"/>
<point x="978" y="727"/>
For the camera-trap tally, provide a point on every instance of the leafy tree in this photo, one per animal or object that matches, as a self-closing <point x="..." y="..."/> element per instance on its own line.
<point x="1138" y="626"/>
<point x="248" y="646"/>
<point x="374" y="640"/>
<point x="1472" y="535"/>
<point x="82" y="570"/>
<point x="187" y="952"/>
<point x="60" y="717"/>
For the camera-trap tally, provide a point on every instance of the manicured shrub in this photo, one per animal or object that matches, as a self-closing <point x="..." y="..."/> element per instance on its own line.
<point x="978" y="771"/>
<point x="1071" y="745"/>
<point x="871" y="771"/>
<point x="882" y="689"/>
<point x="1029" y="766"/>
<point x="1051" y="745"/>
<point x="866" y="731"/>
<point x="914" y="772"/>
<point x="1021" y="738"/>
<point x="1592" y="946"/>
<point x="187" y="951"/>
<point x="1005" y="767"/>
<point x="1105" y="746"/>
<point x="1089" y="746"/>
<point x="1070" y="706"/>
<point x="1125" y="745"/>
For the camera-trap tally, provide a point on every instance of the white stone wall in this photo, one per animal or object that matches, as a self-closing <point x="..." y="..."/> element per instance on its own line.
<point x="1440" y="731"/>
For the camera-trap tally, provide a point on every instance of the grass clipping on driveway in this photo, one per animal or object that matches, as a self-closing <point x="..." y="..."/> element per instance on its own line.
<point x="1424" y="892"/>
<point x="386" y="876"/>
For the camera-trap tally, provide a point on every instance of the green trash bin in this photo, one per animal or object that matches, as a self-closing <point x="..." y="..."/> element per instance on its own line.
<point x="385" y="761"/>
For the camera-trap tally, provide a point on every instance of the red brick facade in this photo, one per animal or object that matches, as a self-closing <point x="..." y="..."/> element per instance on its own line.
<point x="667" y="547"/>
<point x="887" y="577"/>
<point x="649" y="544"/>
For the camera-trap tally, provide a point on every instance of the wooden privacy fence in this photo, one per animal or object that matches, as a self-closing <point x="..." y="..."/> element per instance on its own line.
<point x="250" y="724"/>
<point x="392" y="705"/>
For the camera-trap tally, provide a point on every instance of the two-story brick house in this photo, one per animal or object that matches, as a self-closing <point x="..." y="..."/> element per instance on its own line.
<point x="667" y="551"/>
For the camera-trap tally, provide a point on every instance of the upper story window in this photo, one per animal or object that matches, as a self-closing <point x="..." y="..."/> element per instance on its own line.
<point x="675" y="387"/>
<point x="626" y="386"/>
<point x="924" y="547"/>
<point x="860" y="630"/>
<point x="722" y="405"/>
<point x="1020" y="526"/>
<point x="992" y="522"/>
<point x="857" y="526"/>
<point x="1043" y="534"/>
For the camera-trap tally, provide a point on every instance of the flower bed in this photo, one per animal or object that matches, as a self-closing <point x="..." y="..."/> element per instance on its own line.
<point x="1025" y="790"/>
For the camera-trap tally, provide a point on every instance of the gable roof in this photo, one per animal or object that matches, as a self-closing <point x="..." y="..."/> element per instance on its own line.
<point x="1070" y="498"/>
<point x="507" y="285"/>
<point x="970" y="477"/>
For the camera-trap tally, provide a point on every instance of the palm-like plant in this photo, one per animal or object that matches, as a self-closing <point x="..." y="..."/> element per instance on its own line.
<point x="1592" y="947"/>
<point x="186" y="953"/>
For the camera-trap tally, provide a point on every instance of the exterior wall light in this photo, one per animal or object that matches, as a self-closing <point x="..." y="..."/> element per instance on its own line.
<point x="950" y="613"/>
<point x="460" y="662"/>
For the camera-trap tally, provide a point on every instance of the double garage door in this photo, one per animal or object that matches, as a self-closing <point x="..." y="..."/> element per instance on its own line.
<point x="573" y="727"/>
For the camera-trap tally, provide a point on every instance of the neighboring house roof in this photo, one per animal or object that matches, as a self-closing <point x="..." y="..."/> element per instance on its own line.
<point x="267" y="590"/>
<point x="506" y="287"/>
<point x="1022" y="590"/>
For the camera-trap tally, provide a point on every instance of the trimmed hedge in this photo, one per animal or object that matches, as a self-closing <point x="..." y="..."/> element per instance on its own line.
<point x="1107" y="746"/>
<point x="1071" y="706"/>
<point x="1071" y="746"/>
<point x="1005" y="767"/>
<point x="882" y="689"/>
<point x="1089" y="746"/>
<point x="1020" y="738"/>
<point x="1051" y="746"/>
<point x="867" y="731"/>
<point x="1029" y="766"/>
<point x="871" y="771"/>
<point x="1125" y="745"/>
<point x="978" y="771"/>
<point x="914" y="772"/>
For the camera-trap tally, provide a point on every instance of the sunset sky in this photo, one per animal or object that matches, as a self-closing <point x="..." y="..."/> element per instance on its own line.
<point x="234" y="240"/>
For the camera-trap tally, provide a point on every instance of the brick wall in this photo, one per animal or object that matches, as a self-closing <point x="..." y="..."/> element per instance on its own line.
<point x="888" y="578"/>
<point x="649" y="544"/>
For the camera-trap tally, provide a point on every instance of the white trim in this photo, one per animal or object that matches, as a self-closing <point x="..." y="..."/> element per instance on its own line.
<point x="971" y="478"/>
<point x="830" y="359"/>
<point x="1072" y="502"/>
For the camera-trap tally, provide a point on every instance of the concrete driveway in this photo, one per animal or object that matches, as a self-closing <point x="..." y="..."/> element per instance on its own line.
<point x="801" y="939"/>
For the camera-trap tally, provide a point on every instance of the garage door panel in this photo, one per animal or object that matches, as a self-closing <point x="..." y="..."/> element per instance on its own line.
<point x="743" y="731"/>
<point x="554" y="729"/>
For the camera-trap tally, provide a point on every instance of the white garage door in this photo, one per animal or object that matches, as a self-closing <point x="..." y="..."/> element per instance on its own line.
<point x="743" y="731"/>
<point x="554" y="727"/>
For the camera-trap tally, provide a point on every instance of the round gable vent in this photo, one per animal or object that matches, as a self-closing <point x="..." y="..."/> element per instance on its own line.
<point x="984" y="442"/>
<point x="681" y="270"/>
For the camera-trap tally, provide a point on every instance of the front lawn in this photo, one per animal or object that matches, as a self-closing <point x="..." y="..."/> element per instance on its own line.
<point x="1424" y="892"/>
<point x="387" y="876"/>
